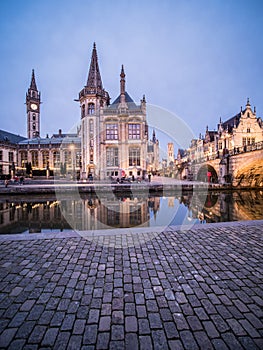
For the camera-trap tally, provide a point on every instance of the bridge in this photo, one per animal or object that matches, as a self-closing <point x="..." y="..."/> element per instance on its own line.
<point x="241" y="167"/>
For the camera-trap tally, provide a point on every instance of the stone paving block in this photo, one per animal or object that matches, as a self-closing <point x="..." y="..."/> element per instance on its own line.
<point x="7" y="336"/>
<point x="50" y="337"/>
<point x="145" y="342"/>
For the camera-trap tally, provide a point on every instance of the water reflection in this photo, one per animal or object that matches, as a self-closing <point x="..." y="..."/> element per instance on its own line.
<point x="35" y="214"/>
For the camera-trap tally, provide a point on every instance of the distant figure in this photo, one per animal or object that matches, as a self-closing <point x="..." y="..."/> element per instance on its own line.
<point x="149" y="177"/>
<point x="133" y="178"/>
<point x="6" y="182"/>
<point x="21" y="180"/>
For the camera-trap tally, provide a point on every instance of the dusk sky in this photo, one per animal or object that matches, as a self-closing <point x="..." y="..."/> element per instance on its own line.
<point x="197" y="59"/>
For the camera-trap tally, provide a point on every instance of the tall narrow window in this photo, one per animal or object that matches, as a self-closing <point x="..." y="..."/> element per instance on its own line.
<point x="134" y="157"/>
<point x="112" y="157"/>
<point x="83" y="111"/>
<point x="134" y="131"/>
<point x="111" y="132"/>
<point x="91" y="108"/>
<point x="34" y="158"/>
<point x="91" y="127"/>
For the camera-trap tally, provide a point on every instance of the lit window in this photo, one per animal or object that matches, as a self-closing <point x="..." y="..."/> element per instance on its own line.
<point x="134" y="131"/>
<point x="111" y="132"/>
<point x="134" y="157"/>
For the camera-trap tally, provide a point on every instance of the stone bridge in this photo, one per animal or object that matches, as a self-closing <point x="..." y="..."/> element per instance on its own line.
<point x="242" y="169"/>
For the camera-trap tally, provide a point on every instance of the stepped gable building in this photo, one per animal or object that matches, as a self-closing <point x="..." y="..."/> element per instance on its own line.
<point x="218" y="149"/>
<point x="114" y="137"/>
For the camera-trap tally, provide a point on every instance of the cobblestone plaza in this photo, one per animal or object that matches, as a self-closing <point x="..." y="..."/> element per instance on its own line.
<point x="194" y="289"/>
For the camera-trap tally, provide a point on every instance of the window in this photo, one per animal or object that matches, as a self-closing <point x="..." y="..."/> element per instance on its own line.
<point x="134" y="131"/>
<point x="23" y="158"/>
<point x="1" y="169"/>
<point x="34" y="158"/>
<point x="244" y="141"/>
<point x="91" y="108"/>
<point x="34" y="126"/>
<point x="134" y="157"/>
<point x="248" y="141"/>
<point x="45" y="156"/>
<point x="56" y="158"/>
<point x="248" y="130"/>
<point x="10" y="157"/>
<point x="91" y="126"/>
<point x="1" y="155"/>
<point x="83" y="111"/>
<point x="112" y="157"/>
<point x="253" y="140"/>
<point x="220" y="145"/>
<point x="34" y="117"/>
<point x="111" y="132"/>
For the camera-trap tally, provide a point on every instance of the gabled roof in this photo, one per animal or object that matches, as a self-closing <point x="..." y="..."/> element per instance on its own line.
<point x="229" y="124"/>
<point x="129" y="101"/>
<point x="8" y="137"/>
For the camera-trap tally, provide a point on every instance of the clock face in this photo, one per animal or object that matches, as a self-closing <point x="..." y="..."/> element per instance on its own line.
<point x="33" y="106"/>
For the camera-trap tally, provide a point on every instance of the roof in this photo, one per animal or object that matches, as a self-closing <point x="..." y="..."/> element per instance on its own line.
<point x="229" y="124"/>
<point x="47" y="140"/>
<point x="130" y="103"/>
<point x="6" y="136"/>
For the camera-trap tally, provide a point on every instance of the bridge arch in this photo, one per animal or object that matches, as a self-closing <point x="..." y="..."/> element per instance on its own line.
<point x="250" y="175"/>
<point x="204" y="171"/>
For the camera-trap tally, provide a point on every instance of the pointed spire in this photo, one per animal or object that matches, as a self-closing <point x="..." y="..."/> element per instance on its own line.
<point x="154" y="137"/>
<point x="94" y="78"/>
<point x="248" y="104"/>
<point x="33" y="85"/>
<point x="122" y="88"/>
<point x="122" y="81"/>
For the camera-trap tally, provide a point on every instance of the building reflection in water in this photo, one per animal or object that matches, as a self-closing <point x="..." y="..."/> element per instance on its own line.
<point x="34" y="214"/>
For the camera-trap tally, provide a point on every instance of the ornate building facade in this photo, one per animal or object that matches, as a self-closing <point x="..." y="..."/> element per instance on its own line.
<point x="112" y="140"/>
<point x="220" y="154"/>
<point x="114" y="137"/>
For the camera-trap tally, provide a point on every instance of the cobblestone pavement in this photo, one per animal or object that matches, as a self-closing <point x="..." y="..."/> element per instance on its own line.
<point x="195" y="289"/>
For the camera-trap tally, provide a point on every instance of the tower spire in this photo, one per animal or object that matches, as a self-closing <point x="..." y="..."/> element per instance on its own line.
<point x="33" y="85"/>
<point x="94" y="78"/>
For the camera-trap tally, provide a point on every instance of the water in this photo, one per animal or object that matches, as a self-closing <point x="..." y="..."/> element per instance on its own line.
<point x="33" y="214"/>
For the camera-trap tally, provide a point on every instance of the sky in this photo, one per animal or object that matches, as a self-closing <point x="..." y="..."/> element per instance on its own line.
<point x="198" y="59"/>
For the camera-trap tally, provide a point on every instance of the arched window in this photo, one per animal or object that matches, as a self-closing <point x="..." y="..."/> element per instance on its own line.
<point x="91" y="108"/>
<point x="34" y="116"/>
<point x="34" y="126"/>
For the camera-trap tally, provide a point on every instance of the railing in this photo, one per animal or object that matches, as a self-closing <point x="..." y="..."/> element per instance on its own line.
<point x="233" y="152"/>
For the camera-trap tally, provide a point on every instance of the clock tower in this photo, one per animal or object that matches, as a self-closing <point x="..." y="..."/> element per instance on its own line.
<point x="33" y="109"/>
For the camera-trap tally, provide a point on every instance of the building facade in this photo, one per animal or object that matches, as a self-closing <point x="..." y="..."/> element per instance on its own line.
<point x="216" y="156"/>
<point x="114" y="136"/>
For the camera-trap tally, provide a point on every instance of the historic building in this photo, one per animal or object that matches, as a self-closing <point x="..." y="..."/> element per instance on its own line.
<point x="216" y="156"/>
<point x="112" y="141"/>
<point x="9" y="152"/>
<point x="114" y="136"/>
<point x="45" y="156"/>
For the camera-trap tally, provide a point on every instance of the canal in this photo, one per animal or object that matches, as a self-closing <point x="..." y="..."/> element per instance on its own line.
<point x="48" y="213"/>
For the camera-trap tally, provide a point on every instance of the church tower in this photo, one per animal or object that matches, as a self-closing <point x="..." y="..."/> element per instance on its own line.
<point x="93" y="98"/>
<point x="33" y="109"/>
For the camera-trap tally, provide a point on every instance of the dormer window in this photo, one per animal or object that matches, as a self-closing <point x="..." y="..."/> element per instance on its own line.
<point x="91" y="108"/>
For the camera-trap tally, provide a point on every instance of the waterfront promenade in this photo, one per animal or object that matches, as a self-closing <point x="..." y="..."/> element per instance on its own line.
<point x="199" y="288"/>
